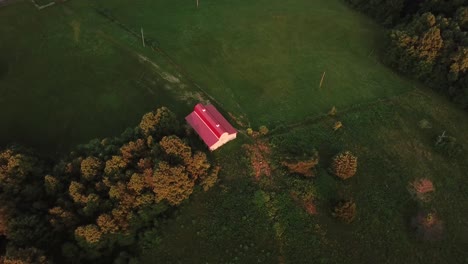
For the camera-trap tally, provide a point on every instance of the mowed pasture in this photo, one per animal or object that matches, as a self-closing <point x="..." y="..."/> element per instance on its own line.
<point x="70" y="75"/>
<point x="265" y="59"/>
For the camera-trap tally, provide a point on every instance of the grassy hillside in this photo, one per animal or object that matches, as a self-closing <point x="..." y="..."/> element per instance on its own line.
<point x="393" y="150"/>
<point x="68" y="74"/>
<point x="66" y="80"/>
<point x="266" y="58"/>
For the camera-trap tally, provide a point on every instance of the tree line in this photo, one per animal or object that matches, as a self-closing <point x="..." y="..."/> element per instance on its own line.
<point x="104" y="201"/>
<point x="427" y="40"/>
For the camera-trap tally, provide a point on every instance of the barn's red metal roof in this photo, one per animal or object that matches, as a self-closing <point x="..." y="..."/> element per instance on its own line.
<point x="208" y="122"/>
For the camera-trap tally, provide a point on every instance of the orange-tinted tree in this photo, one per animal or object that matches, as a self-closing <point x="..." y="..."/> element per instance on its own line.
<point x="158" y="123"/>
<point x="90" y="168"/>
<point x="172" y="183"/>
<point x="89" y="233"/>
<point x="344" y="165"/>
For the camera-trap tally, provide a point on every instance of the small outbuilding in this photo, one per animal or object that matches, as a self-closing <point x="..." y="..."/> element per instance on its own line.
<point x="211" y="126"/>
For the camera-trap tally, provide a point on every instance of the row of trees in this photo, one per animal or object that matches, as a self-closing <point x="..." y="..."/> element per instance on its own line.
<point x="428" y="40"/>
<point x="100" y="201"/>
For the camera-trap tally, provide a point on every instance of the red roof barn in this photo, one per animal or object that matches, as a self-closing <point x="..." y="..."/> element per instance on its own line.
<point x="211" y="126"/>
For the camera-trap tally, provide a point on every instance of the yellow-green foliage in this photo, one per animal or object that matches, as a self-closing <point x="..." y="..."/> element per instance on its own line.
<point x="172" y="183"/>
<point x="209" y="180"/>
<point x="115" y="164"/>
<point x="51" y="184"/>
<point x="90" y="233"/>
<point x="107" y="224"/>
<point x="173" y="145"/>
<point x="263" y="130"/>
<point x="26" y="255"/>
<point x="60" y="217"/>
<point x="154" y="122"/>
<point x="76" y="191"/>
<point x="90" y="168"/>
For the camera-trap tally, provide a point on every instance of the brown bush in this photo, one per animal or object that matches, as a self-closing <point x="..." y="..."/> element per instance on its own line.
<point x="345" y="210"/>
<point x="421" y="189"/>
<point x="305" y="168"/>
<point x="344" y="165"/>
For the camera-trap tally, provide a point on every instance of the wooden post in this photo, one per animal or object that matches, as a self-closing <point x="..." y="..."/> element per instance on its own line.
<point x="321" y="81"/>
<point x="197" y="3"/>
<point x="143" y="37"/>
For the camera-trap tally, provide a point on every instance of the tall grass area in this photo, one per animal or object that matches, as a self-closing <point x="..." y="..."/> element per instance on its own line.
<point x="65" y="80"/>
<point x="392" y="150"/>
<point x="266" y="58"/>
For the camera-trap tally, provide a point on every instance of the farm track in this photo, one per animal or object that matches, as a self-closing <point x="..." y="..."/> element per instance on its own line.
<point x="313" y="120"/>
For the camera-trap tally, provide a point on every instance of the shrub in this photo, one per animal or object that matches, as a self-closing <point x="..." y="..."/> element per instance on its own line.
<point x="333" y="111"/>
<point x="263" y="130"/>
<point x="421" y="189"/>
<point x="428" y="226"/>
<point x="337" y="125"/>
<point x="344" y="165"/>
<point x="424" y="124"/>
<point x="345" y="210"/>
<point x="305" y="167"/>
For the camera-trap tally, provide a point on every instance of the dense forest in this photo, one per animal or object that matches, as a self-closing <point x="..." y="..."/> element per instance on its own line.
<point x="103" y="201"/>
<point x="428" y="40"/>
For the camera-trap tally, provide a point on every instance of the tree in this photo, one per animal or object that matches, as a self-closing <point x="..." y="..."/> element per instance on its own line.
<point x="198" y="165"/>
<point x="90" y="168"/>
<point x="89" y="233"/>
<point x="24" y="256"/>
<point x="3" y="221"/>
<point x="107" y="224"/>
<point x="28" y="229"/>
<point x="172" y="183"/>
<point x="61" y="218"/>
<point x="115" y="165"/>
<point x="173" y="145"/>
<point x="133" y="150"/>
<point x="159" y="123"/>
<point x="209" y="180"/>
<point x="76" y="192"/>
<point x="51" y="184"/>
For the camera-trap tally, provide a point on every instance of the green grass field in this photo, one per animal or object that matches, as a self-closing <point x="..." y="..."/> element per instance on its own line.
<point x="66" y="81"/>
<point x="266" y="58"/>
<point x="393" y="150"/>
<point x="68" y="75"/>
<point x="82" y="75"/>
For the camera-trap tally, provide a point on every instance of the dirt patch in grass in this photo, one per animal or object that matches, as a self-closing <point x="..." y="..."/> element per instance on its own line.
<point x="308" y="205"/>
<point x="259" y="153"/>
